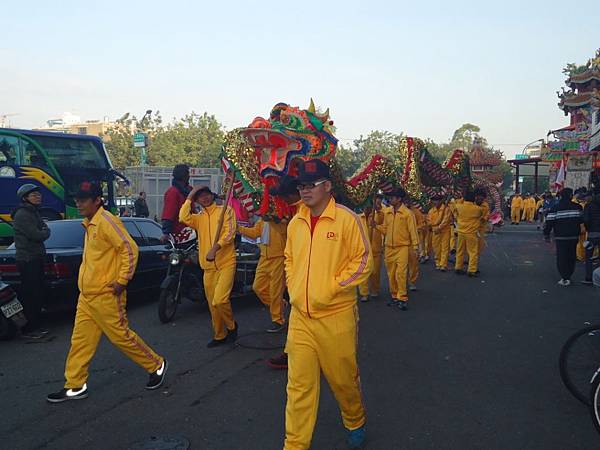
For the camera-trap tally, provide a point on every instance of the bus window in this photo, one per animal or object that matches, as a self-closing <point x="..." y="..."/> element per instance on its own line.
<point x="31" y="156"/>
<point x="68" y="153"/>
<point x="8" y="150"/>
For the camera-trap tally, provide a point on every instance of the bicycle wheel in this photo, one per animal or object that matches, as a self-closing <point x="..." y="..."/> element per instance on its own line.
<point x="594" y="397"/>
<point x="579" y="360"/>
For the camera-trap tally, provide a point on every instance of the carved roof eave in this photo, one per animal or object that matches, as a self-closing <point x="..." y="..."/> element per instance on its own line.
<point x="584" y="77"/>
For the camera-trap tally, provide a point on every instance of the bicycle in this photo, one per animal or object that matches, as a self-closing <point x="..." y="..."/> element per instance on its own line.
<point x="579" y="362"/>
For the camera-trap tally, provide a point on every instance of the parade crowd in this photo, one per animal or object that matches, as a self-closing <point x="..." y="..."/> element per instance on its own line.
<point x="573" y="217"/>
<point x="327" y="258"/>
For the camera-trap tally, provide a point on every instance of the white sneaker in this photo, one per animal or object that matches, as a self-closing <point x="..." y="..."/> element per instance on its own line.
<point x="567" y="283"/>
<point x="564" y="282"/>
<point x="364" y="299"/>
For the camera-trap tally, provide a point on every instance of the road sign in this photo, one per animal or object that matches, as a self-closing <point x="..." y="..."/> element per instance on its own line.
<point x="140" y="139"/>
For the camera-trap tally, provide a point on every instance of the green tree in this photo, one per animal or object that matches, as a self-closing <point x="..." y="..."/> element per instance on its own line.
<point x="195" y="139"/>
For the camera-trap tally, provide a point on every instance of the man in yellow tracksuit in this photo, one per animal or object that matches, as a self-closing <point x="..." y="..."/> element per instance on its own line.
<point x="440" y="221"/>
<point x="109" y="259"/>
<point x="516" y="208"/>
<point x="216" y="257"/>
<point x="454" y="233"/>
<point x="582" y="199"/>
<point x="269" y="282"/>
<point x="414" y="258"/>
<point x="369" y="289"/>
<point x="480" y="200"/>
<point x="327" y="255"/>
<point x="528" y="208"/>
<point x="399" y="228"/>
<point x="469" y="220"/>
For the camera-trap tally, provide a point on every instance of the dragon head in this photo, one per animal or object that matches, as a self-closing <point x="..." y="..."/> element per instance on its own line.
<point x="289" y="135"/>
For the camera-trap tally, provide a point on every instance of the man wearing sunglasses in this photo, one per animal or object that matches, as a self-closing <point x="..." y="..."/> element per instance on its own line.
<point x="327" y="255"/>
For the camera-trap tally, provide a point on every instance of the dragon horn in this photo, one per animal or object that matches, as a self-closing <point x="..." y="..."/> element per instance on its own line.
<point x="311" y="107"/>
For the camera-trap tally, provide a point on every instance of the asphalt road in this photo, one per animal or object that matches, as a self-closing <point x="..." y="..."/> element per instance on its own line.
<point x="471" y="365"/>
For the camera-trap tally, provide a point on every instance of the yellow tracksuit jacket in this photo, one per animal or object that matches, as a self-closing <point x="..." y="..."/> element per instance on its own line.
<point x="323" y="270"/>
<point x="269" y="281"/>
<point x="468" y="220"/>
<point x="372" y="284"/>
<point x="109" y="255"/>
<point x="483" y="227"/>
<point x="516" y="206"/>
<point x="422" y="232"/>
<point x="453" y="233"/>
<point x="440" y="220"/>
<point x="220" y="273"/>
<point x="401" y="238"/>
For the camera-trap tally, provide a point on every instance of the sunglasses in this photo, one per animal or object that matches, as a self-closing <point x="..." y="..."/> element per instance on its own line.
<point x="309" y="186"/>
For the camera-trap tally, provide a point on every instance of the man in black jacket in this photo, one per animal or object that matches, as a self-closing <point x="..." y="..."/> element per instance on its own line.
<point x="591" y="219"/>
<point x="141" y="207"/>
<point x="565" y="218"/>
<point x="30" y="234"/>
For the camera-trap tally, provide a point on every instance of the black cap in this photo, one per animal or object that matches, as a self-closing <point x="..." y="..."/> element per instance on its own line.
<point x="287" y="186"/>
<point x="313" y="170"/>
<point x="396" y="192"/>
<point x="89" y="189"/>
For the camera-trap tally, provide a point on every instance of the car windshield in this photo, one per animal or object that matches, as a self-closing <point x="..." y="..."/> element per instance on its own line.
<point x="65" y="234"/>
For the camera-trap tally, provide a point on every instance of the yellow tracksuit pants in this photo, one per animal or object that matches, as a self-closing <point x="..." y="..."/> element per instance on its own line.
<point x="396" y="263"/>
<point x="441" y="247"/>
<point x="217" y="286"/>
<point x="413" y="267"/>
<point x="428" y="243"/>
<point x="515" y="214"/>
<point x="104" y="314"/>
<point x="580" y="247"/>
<point x="269" y="284"/>
<point x="313" y="346"/>
<point x="372" y="285"/>
<point x="469" y="243"/>
<point x="528" y="214"/>
<point x="452" y="238"/>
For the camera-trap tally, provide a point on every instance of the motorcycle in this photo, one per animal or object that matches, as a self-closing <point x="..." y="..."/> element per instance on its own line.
<point x="12" y="317"/>
<point x="183" y="280"/>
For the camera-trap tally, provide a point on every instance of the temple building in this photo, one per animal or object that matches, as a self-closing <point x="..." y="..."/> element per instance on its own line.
<point x="485" y="163"/>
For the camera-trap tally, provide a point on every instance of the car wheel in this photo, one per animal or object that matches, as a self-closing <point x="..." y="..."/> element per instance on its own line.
<point x="8" y="329"/>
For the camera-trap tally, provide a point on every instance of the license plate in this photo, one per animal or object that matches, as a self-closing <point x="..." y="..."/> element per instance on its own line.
<point x="12" y="308"/>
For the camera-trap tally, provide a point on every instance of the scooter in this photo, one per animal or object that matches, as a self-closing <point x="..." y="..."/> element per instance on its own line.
<point x="183" y="279"/>
<point x="12" y="317"/>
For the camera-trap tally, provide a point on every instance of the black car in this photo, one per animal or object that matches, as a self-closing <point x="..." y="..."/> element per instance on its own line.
<point x="65" y="249"/>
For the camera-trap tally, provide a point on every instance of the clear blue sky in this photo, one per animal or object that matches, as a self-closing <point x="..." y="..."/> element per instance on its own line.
<point x="421" y="67"/>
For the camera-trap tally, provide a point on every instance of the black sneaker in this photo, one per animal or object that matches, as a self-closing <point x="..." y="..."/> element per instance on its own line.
<point x="216" y="342"/>
<point x="403" y="305"/>
<point x="459" y="272"/>
<point x="472" y="274"/>
<point x="232" y="334"/>
<point x="275" y="327"/>
<point x="392" y="302"/>
<point x="68" y="394"/>
<point x="33" y="335"/>
<point x="157" y="378"/>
